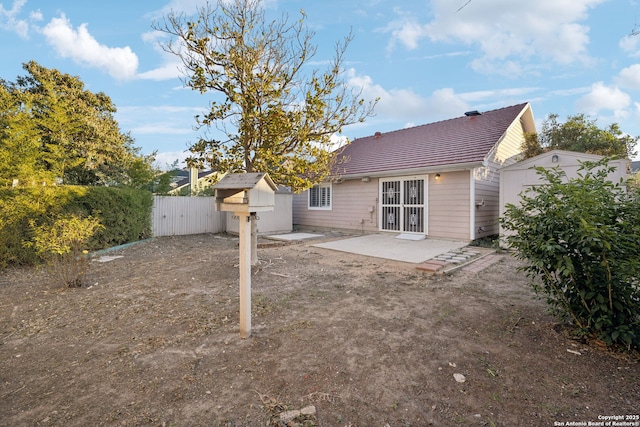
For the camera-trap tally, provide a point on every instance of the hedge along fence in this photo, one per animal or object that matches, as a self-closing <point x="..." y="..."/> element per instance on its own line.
<point x="125" y="214"/>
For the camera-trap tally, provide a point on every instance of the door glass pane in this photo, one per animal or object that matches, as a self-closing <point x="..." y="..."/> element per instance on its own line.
<point x="414" y="219"/>
<point x="391" y="193"/>
<point x="414" y="192"/>
<point x="391" y="218"/>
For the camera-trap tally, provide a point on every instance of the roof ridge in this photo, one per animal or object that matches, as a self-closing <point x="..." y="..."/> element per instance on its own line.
<point x="521" y="105"/>
<point x="460" y="140"/>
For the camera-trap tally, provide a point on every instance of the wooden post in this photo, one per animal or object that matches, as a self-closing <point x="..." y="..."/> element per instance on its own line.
<point x="244" y="219"/>
<point x="254" y="240"/>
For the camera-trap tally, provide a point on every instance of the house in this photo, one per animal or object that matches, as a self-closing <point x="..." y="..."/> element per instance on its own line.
<point x="192" y="181"/>
<point x="518" y="177"/>
<point x="438" y="180"/>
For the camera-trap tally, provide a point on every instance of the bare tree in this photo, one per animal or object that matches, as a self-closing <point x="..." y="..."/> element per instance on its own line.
<point x="276" y="114"/>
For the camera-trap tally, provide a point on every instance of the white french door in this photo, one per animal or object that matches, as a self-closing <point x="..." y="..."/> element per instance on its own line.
<point x="403" y="203"/>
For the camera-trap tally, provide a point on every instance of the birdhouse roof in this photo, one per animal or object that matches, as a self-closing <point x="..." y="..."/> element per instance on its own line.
<point x="244" y="181"/>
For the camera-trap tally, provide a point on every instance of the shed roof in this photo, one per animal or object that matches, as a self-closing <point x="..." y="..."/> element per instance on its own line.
<point x="460" y="141"/>
<point x="565" y="158"/>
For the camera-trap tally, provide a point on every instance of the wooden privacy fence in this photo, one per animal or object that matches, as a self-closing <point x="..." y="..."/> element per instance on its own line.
<point x="178" y="216"/>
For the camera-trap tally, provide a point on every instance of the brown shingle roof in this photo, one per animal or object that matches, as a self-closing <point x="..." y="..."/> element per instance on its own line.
<point x="462" y="140"/>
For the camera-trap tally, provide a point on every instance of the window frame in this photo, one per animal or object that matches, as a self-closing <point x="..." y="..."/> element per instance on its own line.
<point x="320" y="188"/>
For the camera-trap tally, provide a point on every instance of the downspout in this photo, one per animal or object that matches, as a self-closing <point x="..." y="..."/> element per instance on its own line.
<point x="472" y="204"/>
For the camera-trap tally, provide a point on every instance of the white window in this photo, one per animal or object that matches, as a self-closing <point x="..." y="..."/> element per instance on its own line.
<point x="320" y="196"/>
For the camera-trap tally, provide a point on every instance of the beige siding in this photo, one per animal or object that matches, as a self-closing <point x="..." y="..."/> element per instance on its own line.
<point x="510" y="145"/>
<point x="449" y="214"/>
<point x="354" y="206"/>
<point x="486" y="203"/>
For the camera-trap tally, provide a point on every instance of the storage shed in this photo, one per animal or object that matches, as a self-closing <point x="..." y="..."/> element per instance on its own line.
<point x="522" y="175"/>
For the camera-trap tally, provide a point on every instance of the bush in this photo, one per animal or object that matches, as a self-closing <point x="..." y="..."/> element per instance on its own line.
<point x="20" y="208"/>
<point x="125" y="214"/>
<point x="63" y="245"/>
<point x="580" y="240"/>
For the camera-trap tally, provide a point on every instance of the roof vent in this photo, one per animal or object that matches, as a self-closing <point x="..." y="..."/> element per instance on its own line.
<point x="472" y="113"/>
<point x="378" y="135"/>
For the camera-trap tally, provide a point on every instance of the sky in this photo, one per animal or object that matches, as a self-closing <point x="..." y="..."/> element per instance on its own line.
<point x="425" y="60"/>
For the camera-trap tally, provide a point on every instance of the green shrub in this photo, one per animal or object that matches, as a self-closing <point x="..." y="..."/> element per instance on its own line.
<point x="22" y="207"/>
<point x="125" y="214"/>
<point x="62" y="244"/>
<point x="580" y="240"/>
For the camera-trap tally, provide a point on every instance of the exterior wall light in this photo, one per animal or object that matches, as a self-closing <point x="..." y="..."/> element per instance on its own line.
<point x="437" y="176"/>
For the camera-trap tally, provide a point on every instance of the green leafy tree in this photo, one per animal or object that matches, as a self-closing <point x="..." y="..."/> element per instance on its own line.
<point x="580" y="240"/>
<point x="276" y="115"/>
<point x="19" y="142"/>
<point x="580" y="133"/>
<point x="633" y="182"/>
<point x="55" y="129"/>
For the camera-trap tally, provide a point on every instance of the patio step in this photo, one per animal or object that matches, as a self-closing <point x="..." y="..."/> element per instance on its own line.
<point x="431" y="265"/>
<point x="458" y="256"/>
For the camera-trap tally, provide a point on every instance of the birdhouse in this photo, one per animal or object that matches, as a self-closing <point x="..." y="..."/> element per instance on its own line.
<point x="245" y="192"/>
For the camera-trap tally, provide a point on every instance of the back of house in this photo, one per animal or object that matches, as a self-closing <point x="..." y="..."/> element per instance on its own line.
<point x="440" y="179"/>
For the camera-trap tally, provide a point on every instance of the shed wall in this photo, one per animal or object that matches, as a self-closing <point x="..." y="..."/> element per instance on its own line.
<point x="279" y="220"/>
<point x="520" y="176"/>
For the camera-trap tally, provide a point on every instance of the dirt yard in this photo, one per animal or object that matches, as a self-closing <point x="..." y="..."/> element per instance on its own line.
<point x="338" y="340"/>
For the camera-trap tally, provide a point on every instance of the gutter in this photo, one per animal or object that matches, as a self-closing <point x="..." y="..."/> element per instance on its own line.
<point x="418" y="171"/>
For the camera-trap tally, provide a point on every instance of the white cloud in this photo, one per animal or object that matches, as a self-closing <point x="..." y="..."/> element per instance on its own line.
<point x="407" y="106"/>
<point x="630" y="77"/>
<point x="498" y="95"/>
<point x="406" y="31"/>
<point x="158" y="120"/>
<point x="605" y="98"/>
<point x="161" y="128"/>
<point x="9" y="19"/>
<point x="36" y="16"/>
<point x="399" y="104"/>
<point x="120" y="62"/>
<point x="190" y="7"/>
<point x="631" y="45"/>
<point x="154" y="111"/>
<point x="168" y="71"/>
<point x="570" y="91"/>
<point x="171" y="67"/>
<point x="165" y="160"/>
<point x="507" y="33"/>
<point x="179" y="6"/>
<point x="153" y="36"/>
